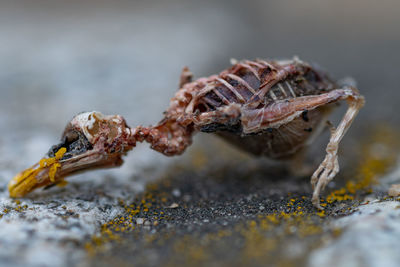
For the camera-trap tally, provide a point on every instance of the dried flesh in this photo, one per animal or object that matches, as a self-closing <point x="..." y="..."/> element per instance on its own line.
<point x="268" y="108"/>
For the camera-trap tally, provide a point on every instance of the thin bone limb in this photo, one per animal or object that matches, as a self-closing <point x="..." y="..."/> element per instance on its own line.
<point x="283" y="112"/>
<point x="330" y="166"/>
<point x="171" y="138"/>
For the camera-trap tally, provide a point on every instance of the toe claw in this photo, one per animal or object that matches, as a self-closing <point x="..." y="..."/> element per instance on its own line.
<point x="316" y="202"/>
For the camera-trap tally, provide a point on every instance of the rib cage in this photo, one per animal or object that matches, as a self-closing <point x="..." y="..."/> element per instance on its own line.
<point x="242" y="81"/>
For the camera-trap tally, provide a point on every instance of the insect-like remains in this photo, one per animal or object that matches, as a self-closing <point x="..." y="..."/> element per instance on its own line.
<point x="268" y="108"/>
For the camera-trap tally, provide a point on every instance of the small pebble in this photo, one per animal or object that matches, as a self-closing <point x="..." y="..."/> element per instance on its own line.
<point x="174" y="206"/>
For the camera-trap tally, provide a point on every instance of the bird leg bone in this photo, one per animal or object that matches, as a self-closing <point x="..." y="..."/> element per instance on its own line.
<point x="282" y="112"/>
<point x="92" y="140"/>
<point x="330" y="166"/>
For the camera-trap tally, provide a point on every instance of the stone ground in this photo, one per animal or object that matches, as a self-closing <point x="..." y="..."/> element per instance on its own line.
<point x="214" y="205"/>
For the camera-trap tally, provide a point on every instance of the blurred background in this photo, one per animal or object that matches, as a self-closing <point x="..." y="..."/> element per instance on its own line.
<point x="124" y="57"/>
<point x="59" y="58"/>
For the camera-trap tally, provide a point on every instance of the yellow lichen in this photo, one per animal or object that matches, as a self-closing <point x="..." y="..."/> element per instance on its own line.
<point x="53" y="170"/>
<point x="14" y="208"/>
<point x="379" y="153"/>
<point x="261" y="237"/>
<point x="111" y="231"/>
<point x="60" y="153"/>
<point x="62" y="183"/>
<point x="26" y="181"/>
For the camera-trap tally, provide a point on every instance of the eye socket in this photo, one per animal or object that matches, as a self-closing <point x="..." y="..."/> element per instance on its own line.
<point x="75" y="143"/>
<point x="71" y="136"/>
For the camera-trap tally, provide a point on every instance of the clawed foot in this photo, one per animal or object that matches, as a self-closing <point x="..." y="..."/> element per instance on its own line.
<point x="323" y="175"/>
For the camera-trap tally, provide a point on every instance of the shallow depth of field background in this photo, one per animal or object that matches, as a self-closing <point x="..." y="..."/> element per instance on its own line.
<point x="59" y="58"/>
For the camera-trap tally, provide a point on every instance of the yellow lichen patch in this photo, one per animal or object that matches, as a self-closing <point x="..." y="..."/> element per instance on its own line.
<point x="25" y="182"/>
<point x="269" y="235"/>
<point x="17" y="207"/>
<point x="43" y="163"/>
<point x="60" y="153"/>
<point x="141" y="213"/>
<point x="53" y="171"/>
<point x="254" y="240"/>
<point x="263" y="238"/>
<point x="62" y="183"/>
<point x="379" y="153"/>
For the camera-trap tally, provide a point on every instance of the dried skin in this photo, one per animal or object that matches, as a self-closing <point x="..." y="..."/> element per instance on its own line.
<point x="269" y="108"/>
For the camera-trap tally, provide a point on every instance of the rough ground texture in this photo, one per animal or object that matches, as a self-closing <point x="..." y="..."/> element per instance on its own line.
<point x="213" y="206"/>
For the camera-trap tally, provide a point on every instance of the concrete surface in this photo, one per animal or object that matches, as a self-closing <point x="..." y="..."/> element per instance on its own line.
<point x="214" y="205"/>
